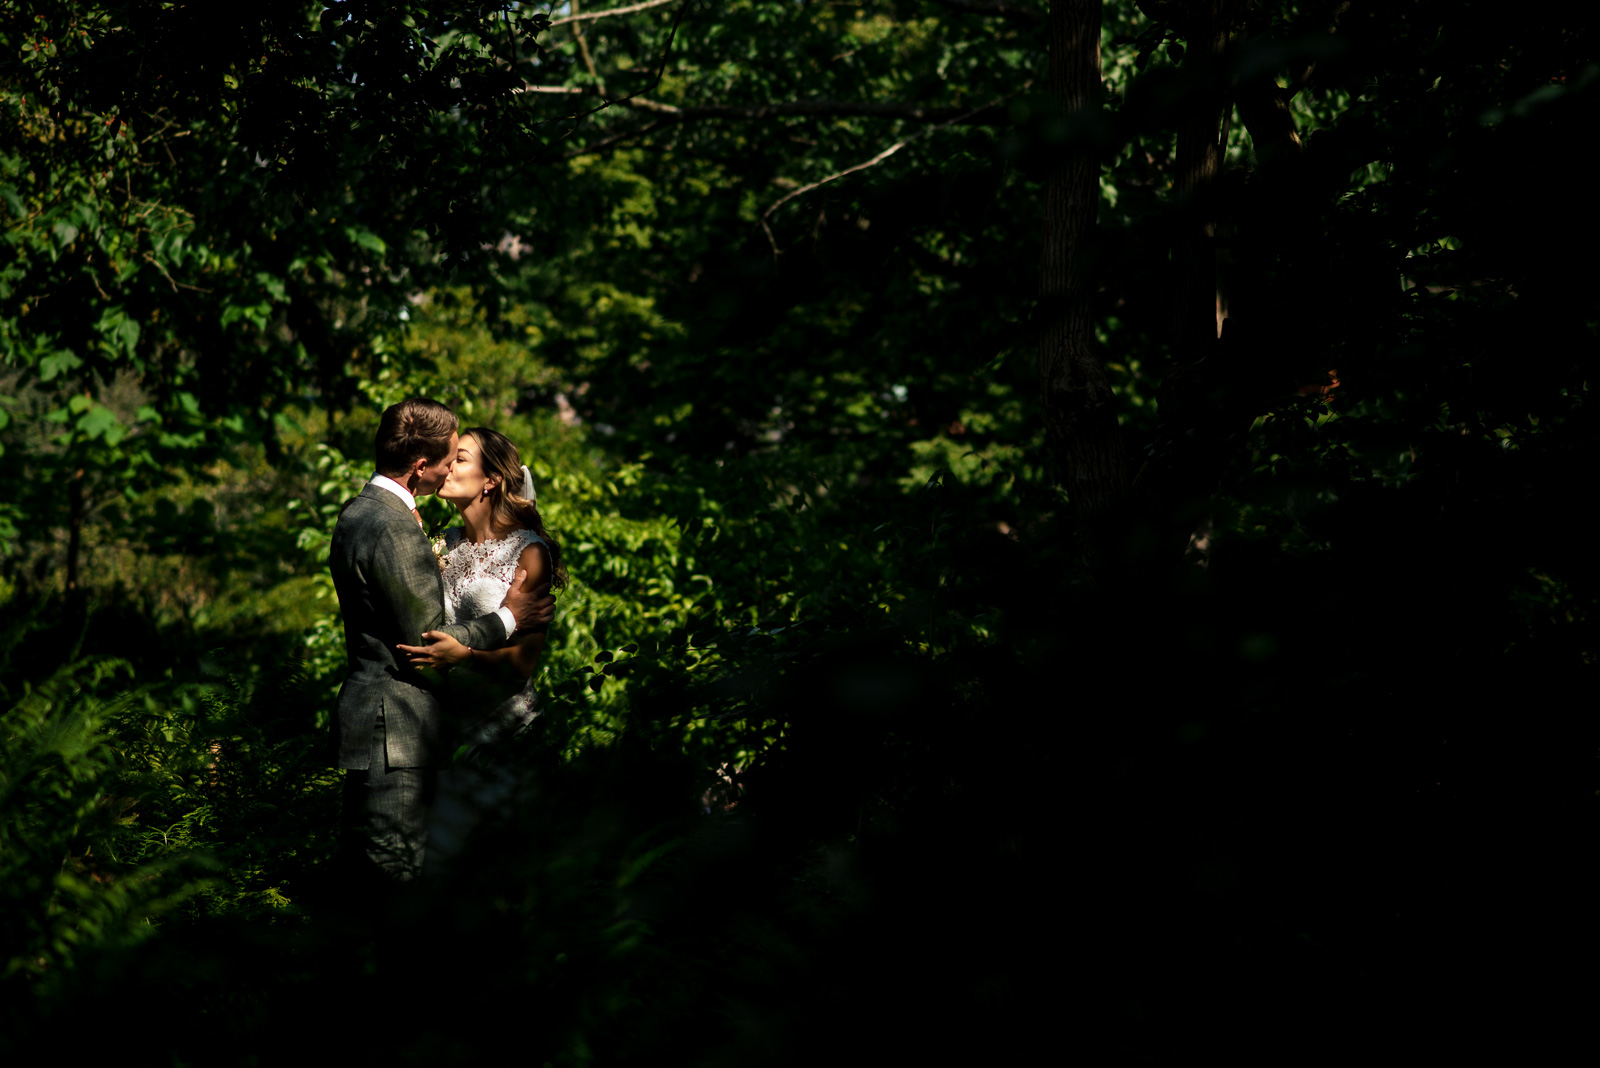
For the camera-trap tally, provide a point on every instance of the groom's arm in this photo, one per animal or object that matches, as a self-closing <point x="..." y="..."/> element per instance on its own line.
<point x="528" y="605"/>
<point x="485" y="632"/>
<point x="407" y="578"/>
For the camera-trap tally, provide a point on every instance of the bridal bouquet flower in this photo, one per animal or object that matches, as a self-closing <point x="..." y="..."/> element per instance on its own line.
<point x="439" y="550"/>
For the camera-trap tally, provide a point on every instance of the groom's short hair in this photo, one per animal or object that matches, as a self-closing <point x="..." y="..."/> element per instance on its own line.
<point x="416" y="427"/>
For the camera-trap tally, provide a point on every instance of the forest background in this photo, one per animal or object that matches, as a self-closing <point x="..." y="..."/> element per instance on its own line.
<point x="1075" y="514"/>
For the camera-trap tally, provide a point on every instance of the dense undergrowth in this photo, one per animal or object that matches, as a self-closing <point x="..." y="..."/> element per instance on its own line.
<point x="893" y="804"/>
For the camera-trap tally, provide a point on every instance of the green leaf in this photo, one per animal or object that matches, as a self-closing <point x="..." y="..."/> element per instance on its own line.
<point x="120" y="331"/>
<point x="366" y="239"/>
<point x="57" y="363"/>
<point x="182" y="441"/>
<point x="98" y="422"/>
<point x="128" y="334"/>
<point x="65" y="233"/>
<point x="254" y="314"/>
<point x="273" y="285"/>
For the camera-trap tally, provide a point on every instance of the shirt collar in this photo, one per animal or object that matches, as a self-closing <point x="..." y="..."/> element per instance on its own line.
<point x="385" y="482"/>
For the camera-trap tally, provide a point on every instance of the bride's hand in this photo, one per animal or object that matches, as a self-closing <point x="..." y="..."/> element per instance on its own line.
<point x="443" y="651"/>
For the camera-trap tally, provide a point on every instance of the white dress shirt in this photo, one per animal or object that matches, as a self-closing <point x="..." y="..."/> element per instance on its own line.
<point x="385" y="482"/>
<point x="507" y="618"/>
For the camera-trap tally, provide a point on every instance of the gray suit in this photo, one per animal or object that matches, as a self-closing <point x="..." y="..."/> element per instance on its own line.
<point x="392" y="721"/>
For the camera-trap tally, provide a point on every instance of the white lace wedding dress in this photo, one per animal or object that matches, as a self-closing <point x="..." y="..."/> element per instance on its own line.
<point x="476" y="578"/>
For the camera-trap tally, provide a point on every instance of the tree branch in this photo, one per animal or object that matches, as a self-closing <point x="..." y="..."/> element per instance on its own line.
<point x="606" y="102"/>
<point x="583" y="49"/>
<point x="879" y="158"/>
<point x="628" y="10"/>
<point x="617" y="139"/>
<point x="831" y="108"/>
<point x="873" y="162"/>
<point x="867" y="109"/>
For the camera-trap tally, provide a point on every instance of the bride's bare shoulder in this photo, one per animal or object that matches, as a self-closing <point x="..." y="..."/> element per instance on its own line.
<point x="532" y="559"/>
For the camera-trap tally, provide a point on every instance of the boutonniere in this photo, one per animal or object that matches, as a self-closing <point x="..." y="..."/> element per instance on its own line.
<point x="439" y="550"/>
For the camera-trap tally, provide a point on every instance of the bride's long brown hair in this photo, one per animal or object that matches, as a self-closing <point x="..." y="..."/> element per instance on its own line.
<point x="510" y="509"/>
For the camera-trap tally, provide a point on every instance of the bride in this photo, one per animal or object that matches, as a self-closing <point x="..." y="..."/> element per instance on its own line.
<point x="491" y="689"/>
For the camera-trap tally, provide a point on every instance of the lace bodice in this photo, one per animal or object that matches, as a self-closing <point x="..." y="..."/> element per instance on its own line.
<point x="478" y="574"/>
<point x="476" y="577"/>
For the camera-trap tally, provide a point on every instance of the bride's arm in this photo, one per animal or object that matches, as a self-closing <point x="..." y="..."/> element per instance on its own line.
<point x="519" y="657"/>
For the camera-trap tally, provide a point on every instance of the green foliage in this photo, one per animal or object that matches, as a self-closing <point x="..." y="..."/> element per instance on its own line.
<point x="79" y="874"/>
<point x="141" y="814"/>
<point x="835" y="676"/>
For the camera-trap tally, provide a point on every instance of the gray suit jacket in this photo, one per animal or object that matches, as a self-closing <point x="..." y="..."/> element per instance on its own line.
<point x="390" y="592"/>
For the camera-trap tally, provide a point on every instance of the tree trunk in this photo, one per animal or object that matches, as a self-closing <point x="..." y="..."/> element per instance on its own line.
<point x="1198" y="394"/>
<point x="1264" y="105"/>
<point x="1200" y="147"/>
<point x="1079" y="413"/>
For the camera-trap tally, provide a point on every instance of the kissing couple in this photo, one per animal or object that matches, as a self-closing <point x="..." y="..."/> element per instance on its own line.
<point x="442" y="638"/>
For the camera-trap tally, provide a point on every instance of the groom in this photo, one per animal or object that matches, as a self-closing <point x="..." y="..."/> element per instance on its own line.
<point x="393" y="736"/>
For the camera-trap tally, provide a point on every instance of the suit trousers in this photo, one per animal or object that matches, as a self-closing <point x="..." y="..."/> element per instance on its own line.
<point x="386" y="813"/>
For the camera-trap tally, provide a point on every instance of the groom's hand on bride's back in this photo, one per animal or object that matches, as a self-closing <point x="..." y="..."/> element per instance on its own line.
<point x="533" y="608"/>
